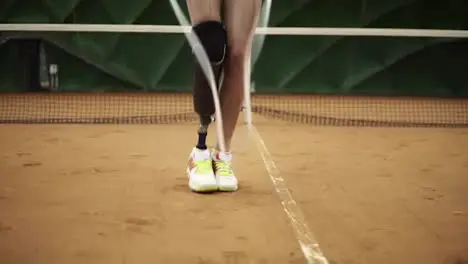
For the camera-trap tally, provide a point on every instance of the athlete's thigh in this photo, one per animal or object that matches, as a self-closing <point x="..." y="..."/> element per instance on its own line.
<point x="204" y="10"/>
<point x="241" y="17"/>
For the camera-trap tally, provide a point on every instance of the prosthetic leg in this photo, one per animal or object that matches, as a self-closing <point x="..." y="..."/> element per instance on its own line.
<point x="213" y="37"/>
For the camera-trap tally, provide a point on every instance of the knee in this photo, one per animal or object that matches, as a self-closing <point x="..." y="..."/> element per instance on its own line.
<point x="237" y="55"/>
<point x="235" y="59"/>
<point x="213" y="38"/>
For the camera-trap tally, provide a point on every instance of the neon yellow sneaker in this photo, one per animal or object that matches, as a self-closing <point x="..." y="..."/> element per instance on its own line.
<point x="200" y="171"/>
<point x="225" y="177"/>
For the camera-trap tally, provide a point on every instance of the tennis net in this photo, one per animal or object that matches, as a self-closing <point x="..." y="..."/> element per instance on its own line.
<point x="324" y="79"/>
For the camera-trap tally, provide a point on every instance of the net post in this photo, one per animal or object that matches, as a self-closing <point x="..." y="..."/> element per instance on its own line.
<point x="247" y="105"/>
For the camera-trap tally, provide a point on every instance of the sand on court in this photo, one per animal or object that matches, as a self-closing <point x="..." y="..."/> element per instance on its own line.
<point x="379" y="195"/>
<point x="117" y="194"/>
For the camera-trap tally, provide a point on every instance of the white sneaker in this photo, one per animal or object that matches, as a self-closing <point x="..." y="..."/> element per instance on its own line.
<point x="225" y="177"/>
<point x="200" y="171"/>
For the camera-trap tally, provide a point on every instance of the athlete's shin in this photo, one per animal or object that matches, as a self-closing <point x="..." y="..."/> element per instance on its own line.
<point x="232" y="95"/>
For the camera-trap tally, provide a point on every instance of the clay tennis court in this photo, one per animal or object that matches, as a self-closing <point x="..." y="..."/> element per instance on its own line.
<point x="108" y="193"/>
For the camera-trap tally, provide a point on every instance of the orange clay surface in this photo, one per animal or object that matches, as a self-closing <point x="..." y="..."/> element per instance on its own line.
<point x="118" y="194"/>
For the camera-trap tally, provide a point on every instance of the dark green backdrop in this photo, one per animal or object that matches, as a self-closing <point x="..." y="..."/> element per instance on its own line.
<point x="288" y="64"/>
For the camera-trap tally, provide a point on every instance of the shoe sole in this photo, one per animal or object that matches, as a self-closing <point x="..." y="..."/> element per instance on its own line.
<point x="203" y="189"/>
<point x="209" y="188"/>
<point x="227" y="189"/>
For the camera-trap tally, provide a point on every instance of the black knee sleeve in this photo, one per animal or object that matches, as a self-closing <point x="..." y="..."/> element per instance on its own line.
<point x="213" y="37"/>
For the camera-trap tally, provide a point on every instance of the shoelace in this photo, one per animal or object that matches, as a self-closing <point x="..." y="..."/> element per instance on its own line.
<point x="223" y="168"/>
<point x="203" y="166"/>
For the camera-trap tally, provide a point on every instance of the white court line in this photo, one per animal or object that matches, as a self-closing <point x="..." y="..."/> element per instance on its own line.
<point x="309" y="246"/>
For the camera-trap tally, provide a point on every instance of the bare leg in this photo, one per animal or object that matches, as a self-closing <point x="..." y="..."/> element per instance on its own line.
<point x="204" y="10"/>
<point x="241" y="20"/>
